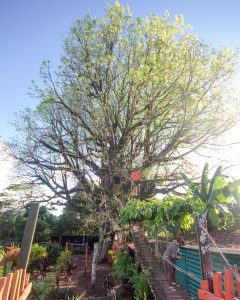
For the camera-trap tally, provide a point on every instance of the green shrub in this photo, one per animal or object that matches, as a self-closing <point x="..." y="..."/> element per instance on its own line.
<point x="80" y="297"/>
<point x="123" y="267"/>
<point x="64" y="265"/>
<point x="46" y="290"/>
<point x="64" y="261"/>
<point x="53" y="252"/>
<point x="37" y="252"/>
<point x="9" y="260"/>
<point x="1" y="257"/>
<point x="9" y="266"/>
<point x="141" y="288"/>
<point x="37" y="257"/>
<point x="1" y="252"/>
<point x="61" y="294"/>
<point x="41" y="290"/>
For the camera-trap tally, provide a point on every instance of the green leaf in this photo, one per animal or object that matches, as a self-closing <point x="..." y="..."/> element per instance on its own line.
<point x="217" y="173"/>
<point x="223" y="208"/>
<point x="214" y="217"/>
<point x="192" y="186"/>
<point x="222" y="199"/>
<point x="204" y="184"/>
<point x="148" y="213"/>
<point x="218" y="184"/>
<point x="234" y="187"/>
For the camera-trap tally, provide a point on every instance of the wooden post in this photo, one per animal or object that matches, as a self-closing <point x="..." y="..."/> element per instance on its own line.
<point x="237" y="279"/>
<point x="219" y="294"/>
<point x="28" y="235"/>
<point x="22" y="285"/>
<point x="229" y="285"/>
<point x="94" y="267"/>
<point x="66" y="246"/>
<point x="26" y="292"/>
<point x="217" y="284"/>
<point x="13" y="294"/>
<point x="2" y="286"/>
<point x="204" y="250"/>
<point x="86" y="258"/>
<point x="19" y="283"/>
<point x="7" y="288"/>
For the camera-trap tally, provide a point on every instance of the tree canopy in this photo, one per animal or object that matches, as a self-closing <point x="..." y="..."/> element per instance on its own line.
<point x="130" y="93"/>
<point x="12" y="224"/>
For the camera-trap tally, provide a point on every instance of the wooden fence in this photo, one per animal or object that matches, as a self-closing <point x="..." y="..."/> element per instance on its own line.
<point x="219" y="294"/>
<point x="15" y="286"/>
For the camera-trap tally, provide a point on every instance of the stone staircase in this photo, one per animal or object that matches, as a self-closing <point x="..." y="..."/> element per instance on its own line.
<point x="158" y="278"/>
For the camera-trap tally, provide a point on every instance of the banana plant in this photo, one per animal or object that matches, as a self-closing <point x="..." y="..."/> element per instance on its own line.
<point x="216" y="194"/>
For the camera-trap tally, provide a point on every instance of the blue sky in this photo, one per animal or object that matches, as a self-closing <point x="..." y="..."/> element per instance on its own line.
<point x="33" y="31"/>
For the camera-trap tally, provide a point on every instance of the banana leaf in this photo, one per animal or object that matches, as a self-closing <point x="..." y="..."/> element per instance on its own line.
<point x="204" y="184"/>
<point x="192" y="186"/>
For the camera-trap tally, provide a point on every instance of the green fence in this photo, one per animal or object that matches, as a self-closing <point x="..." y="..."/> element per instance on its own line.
<point x="191" y="264"/>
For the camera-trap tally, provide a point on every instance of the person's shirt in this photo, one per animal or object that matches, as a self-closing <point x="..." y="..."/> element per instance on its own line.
<point x="172" y="251"/>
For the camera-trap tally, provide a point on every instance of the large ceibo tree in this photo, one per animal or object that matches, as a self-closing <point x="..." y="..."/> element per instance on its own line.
<point x="130" y="93"/>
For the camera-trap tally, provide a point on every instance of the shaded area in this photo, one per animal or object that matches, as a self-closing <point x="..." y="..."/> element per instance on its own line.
<point x="80" y="282"/>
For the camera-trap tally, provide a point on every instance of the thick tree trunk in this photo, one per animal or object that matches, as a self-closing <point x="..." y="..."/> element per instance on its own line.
<point x="103" y="251"/>
<point x="94" y="267"/>
<point x="104" y="242"/>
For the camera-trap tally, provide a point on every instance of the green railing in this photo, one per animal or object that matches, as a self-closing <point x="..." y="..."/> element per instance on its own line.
<point x="191" y="264"/>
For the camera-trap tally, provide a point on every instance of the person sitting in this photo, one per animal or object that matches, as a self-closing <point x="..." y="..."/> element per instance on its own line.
<point x="170" y="256"/>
